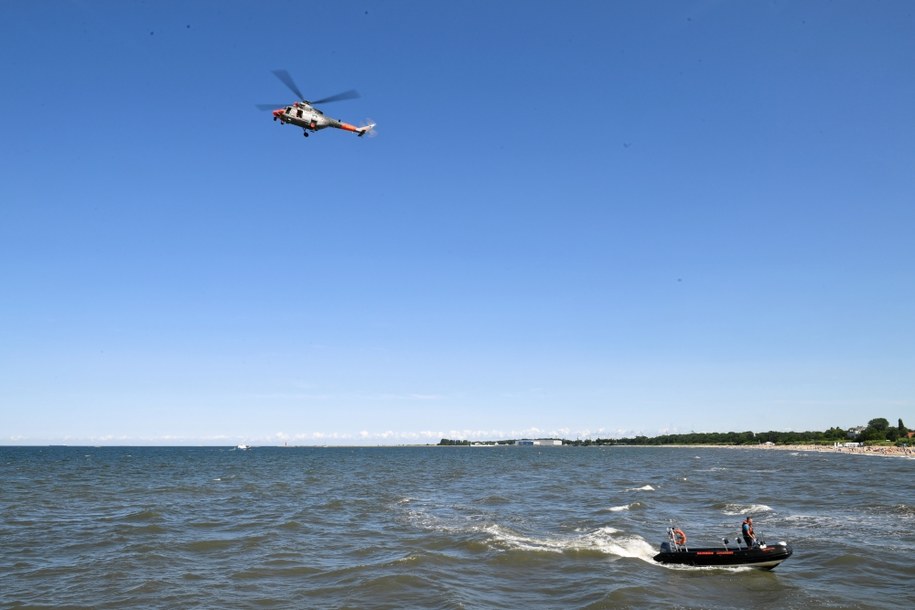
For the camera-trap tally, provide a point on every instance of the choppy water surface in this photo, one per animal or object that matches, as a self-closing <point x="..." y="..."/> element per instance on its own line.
<point x="452" y="527"/>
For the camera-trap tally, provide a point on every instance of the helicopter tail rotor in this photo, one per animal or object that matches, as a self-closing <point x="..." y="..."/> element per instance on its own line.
<point x="368" y="129"/>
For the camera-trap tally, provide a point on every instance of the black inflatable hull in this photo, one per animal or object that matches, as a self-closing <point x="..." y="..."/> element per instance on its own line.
<point x="764" y="558"/>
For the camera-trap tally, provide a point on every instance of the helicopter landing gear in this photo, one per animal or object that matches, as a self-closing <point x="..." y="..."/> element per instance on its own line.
<point x="305" y="133"/>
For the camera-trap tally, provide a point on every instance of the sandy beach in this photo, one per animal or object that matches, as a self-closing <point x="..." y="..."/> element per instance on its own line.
<point x="903" y="452"/>
<point x="908" y="452"/>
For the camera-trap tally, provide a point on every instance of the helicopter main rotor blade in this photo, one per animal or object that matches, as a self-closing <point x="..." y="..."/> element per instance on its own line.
<point x="270" y="106"/>
<point x="346" y="95"/>
<point x="287" y="80"/>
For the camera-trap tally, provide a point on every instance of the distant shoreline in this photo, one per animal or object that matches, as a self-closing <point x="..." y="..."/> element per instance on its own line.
<point x="884" y="451"/>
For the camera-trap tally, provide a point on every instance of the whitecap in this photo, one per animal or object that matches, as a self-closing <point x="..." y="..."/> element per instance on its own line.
<point x="622" y="507"/>
<point x="642" y="488"/>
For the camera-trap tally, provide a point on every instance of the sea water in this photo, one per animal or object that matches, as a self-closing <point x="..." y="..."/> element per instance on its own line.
<point x="446" y="527"/>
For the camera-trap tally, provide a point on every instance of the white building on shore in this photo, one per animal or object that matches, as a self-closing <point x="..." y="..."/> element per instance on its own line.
<point x="539" y="442"/>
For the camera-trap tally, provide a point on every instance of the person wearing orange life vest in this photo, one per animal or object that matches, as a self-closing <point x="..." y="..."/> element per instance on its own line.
<point x="747" y="530"/>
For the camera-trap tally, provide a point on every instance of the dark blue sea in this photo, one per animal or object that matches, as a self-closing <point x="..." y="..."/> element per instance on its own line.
<point x="446" y="527"/>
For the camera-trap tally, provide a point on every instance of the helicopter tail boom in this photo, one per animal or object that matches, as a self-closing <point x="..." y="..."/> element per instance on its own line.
<point x="360" y="131"/>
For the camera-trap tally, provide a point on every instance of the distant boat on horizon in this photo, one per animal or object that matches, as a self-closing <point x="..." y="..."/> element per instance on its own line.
<point x="242" y="447"/>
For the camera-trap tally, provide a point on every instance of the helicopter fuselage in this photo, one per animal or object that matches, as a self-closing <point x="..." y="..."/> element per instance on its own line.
<point x="306" y="116"/>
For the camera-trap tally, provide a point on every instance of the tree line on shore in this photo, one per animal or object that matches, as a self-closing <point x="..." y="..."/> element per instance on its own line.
<point x="878" y="430"/>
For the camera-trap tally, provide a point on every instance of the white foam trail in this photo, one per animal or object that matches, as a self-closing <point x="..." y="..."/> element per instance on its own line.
<point x="601" y="540"/>
<point x="675" y="566"/>
<point x="504" y="537"/>
<point x="623" y="546"/>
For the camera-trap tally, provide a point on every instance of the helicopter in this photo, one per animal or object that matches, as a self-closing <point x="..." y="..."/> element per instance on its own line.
<point x="303" y="113"/>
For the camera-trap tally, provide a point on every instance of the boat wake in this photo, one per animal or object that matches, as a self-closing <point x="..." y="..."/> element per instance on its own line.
<point x="605" y="540"/>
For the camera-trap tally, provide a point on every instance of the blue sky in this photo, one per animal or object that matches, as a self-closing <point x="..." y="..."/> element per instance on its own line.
<point x="587" y="219"/>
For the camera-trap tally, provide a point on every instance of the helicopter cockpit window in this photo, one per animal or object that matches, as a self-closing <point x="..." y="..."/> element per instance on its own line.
<point x="288" y="109"/>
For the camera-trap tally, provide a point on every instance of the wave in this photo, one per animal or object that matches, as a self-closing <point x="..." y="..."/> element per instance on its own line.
<point x="845" y="562"/>
<point x="138" y="516"/>
<point x="630" y="506"/>
<point x="292" y="525"/>
<point x="494" y="500"/>
<point x="743" y="509"/>
<point x="137" y="530"/>
<point x="894" y="511"/>
<point x="904" y="510"/>
<point x="208" y="546"/>
<point x="259" y="573"/>
<point x="642" y="488"/>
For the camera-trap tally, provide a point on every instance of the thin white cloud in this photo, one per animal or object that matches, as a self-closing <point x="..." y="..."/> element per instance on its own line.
<point x="349" y="397"/>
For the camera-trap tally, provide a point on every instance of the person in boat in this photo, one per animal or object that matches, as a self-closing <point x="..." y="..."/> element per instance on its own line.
<point x="747" y="529"/>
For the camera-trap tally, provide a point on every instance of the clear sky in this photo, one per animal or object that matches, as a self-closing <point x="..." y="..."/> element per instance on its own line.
<point x="578" y="219"/>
